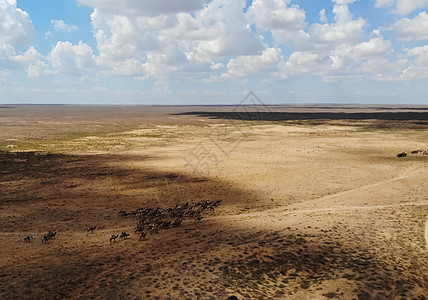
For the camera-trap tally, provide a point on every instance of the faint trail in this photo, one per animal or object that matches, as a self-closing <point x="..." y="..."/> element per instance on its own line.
<point x="287" y="211"/>
<point x="283" y="211"/>
<point x="368" y="186"/>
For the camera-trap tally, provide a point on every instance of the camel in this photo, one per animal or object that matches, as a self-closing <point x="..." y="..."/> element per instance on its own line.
<point x="91" y="229"/>
<point x="123" y="235"/>
<point x="114" y="237"/>
<point x="122" y="213"/>
<point x="143" y="235"/>
<point x="177" y="222"/>
<point x="165" y="225"/>
<point x="48" y="236"/>
<point x="139" y="228"/>
<point x="28" y="238"/>
<point x="402" y="154"/>
<point x="153" y="228"/>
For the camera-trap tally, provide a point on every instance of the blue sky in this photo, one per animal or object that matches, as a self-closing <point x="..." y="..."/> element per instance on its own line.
<point x="213" y="51"/>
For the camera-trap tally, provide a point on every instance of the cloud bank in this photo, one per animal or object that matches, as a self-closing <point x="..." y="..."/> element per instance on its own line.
<point x="223" y="40"/>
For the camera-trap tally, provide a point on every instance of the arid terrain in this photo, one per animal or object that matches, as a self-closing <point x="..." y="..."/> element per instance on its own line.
<point x="315" y="202"/>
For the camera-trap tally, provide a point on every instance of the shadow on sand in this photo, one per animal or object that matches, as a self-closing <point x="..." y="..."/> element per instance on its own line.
<point x="294" y="116"/>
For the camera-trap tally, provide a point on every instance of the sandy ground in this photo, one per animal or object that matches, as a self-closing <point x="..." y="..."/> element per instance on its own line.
<point x="313" y="206"/>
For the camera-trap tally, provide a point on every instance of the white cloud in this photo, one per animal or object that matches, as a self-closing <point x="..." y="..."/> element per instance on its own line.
<point x="402" y="7"/>
<point x="154" y="45"/>
<point x="60" y="25"/>
<point x="418" y="63"/>
<point x="16" y="28"/>
<point x="244" y="66"/>
<point x="68" y="58"/>
<point x="34" y="62"/>
<point x="286" y="22"/>
<point x="146" y="7"/>
<point x="37" y="69"/>
<point x="345" y="30"/>
<point x="347" y="58"/>
<point x="199" y="38"/>
<point x="412" y="29"/>
<point x="216" y="66"/>
<point x="151" y="45"/>
<point x="30" y="55"/>
<point x="323" y="17"/>
<point x="306" y="62"/>
<point x="6" y="57"/>
<point x="334" y="49"/>
<point x="219" y="30"/>
<point x="377" y="46"/>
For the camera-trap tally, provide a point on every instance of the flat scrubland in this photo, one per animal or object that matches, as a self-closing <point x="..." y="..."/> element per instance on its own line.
<point x="315" y="203"/>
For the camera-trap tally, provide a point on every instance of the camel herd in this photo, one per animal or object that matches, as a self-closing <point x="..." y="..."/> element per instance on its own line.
<point x="151" y="220"/>
<point x="45" y="238"/>
<point x="420" y="152"/>
<point x="48" y="236"/>
<point x="415" y="152"/>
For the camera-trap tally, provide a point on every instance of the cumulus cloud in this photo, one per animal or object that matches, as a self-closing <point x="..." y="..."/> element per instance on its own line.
<point x="34" y="62"/>
<point x="37" y="69"/>
<point x="16" y="28"/>
<point x="412" y="29"/>
<point x="29" y="56"/>
<point x="377" y="46"/>
<point x="68" y="58"/>
<point x="337" y="49"/>
<point x="149" y="45"/>
<point x="166" y="40"/>
<point x="244" y="66"/>
<point x="285" y="21"/>
<point x="418" y="63"/>
<point x="157" y="39"/>
<point x="333" y="34"/>
<point x="327" y="48"/>
<point x="287" y="24"/>
<point x="402" y="7"/>
<point x="6" y="54"/>
<point x="62" y="26"/>
<point x="219" y="30"/>
<point x="344" y="30"/>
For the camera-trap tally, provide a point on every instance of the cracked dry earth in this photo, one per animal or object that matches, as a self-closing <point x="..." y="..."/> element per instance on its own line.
<point x="308" y="211"/>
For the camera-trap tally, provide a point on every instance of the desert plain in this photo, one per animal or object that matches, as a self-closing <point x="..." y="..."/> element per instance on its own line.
<point x="315" y="204"/>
